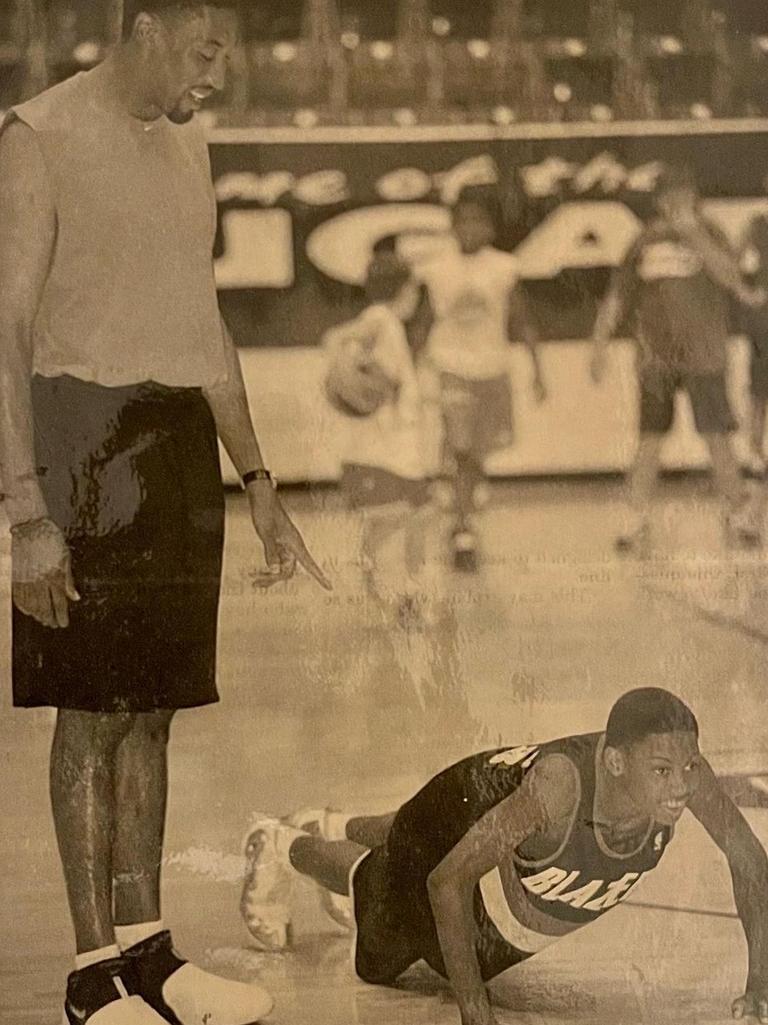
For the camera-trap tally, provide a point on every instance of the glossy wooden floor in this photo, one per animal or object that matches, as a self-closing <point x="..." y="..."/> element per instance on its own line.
<point x="322" y="702"/>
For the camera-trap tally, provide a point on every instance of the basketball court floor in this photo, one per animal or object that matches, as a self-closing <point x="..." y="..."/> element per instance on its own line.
<point x="326" y="702"/>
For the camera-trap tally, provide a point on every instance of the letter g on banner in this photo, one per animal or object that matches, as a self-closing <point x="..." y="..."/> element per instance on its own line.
<point x="341" y="247"/>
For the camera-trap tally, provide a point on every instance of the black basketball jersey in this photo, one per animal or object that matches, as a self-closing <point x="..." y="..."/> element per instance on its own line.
<point x="521" y="906"/>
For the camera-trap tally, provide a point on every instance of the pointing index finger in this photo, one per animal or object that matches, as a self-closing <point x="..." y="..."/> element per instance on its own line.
<point x="309" y="564"/>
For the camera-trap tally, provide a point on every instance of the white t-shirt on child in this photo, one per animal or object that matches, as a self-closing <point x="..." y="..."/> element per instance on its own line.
<point x="391" y="438"/>
<point x="469" y="294"/>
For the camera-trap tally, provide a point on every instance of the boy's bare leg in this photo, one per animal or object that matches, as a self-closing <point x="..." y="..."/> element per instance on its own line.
<point x="370" y="830"/>
<point x="328" y="862"/>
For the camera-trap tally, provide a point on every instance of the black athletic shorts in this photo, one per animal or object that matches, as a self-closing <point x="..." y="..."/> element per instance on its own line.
<point x="394" y="923"/>
<point x="131" y="475"/>
<point x="707" y="392"/>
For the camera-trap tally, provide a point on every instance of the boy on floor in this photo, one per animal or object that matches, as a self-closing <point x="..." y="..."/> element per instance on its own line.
<point x="503" y="853"/>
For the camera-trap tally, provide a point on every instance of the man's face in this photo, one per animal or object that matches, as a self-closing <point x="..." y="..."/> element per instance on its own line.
<point x="190" y="55"/>
<point x="661" y="774"/>
<point x="472" y="226"/>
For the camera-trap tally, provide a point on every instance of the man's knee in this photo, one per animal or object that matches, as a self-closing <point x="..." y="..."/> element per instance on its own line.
<point x="153" y="727"/>
<point x="92" y="730"/>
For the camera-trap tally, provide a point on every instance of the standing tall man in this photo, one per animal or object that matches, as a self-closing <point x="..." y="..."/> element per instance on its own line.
<point x="116" y="374"/>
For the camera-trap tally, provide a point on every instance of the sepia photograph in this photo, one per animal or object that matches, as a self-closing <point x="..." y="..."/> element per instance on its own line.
<point x="384" y="512"/>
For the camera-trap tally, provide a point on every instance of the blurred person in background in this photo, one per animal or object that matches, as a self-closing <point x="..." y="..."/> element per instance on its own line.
<point x="754" y="266"/>
<point x="372" y="380"/>
<point x="475" y="295"/>
<point x="116" y="375"/>
<point x="676" y="282"/>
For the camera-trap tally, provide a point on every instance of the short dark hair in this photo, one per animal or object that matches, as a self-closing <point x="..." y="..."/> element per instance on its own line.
<point x="387" y="274"/>
<point x="485" y="197"/>
<point x="640" y="713"/>
<point x="133" y="8"/>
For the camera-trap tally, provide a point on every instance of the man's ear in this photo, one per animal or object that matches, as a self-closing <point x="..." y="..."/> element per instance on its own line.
<point x="146" y="28"/>
<point x="615" y="761"/>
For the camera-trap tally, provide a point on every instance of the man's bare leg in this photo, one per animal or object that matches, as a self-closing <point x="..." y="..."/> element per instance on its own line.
<point x="82" y="781"/>
<point x="141" y="792"/>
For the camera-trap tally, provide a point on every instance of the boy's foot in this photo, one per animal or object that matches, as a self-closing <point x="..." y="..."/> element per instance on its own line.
<point x="100" y="995"/>
<point x="464" y="547"/>
<point x="743" y="526"/>
<point x="328" y="824"/>
<point x="184" y="994"/>
<point x="264" y="903"/>
<point x="634" y="535"/>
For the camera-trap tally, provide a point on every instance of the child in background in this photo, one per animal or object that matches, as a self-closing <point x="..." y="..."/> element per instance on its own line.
<point x="371" y="377"/>
<point x="754" y="266"/>
<point x="676" y="281"/>
<point x="474" y="295"/>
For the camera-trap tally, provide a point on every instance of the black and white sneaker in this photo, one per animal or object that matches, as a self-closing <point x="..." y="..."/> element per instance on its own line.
<point x="183" y="994"/>
<point x="100" y="995"/>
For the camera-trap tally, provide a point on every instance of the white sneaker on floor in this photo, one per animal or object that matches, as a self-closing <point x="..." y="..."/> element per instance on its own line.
<point x="267" y="885"/>
<point x="328" y="824"/>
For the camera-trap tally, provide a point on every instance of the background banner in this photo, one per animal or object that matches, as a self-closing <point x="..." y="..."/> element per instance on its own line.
<point x="298" y="219"/>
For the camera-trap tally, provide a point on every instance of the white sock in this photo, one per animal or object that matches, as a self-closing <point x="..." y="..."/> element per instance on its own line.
<point x="336" y="824"/>
<point x="129" y="935"/>
<point x="90" y="957"/>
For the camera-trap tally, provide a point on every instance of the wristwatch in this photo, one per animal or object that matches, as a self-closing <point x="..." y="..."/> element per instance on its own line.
<point x="253" y="475"/>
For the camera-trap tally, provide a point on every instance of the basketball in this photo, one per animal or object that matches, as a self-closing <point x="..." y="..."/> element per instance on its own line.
<point x="358" y="387"/>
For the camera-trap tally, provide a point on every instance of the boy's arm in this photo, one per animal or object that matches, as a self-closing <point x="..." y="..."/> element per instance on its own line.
<point x="522" y="325"/>
<point x="547" y="794"/>
<point x="720" y="262"/>
<point x="616" y="301"/>
<point x="748" y="864"/>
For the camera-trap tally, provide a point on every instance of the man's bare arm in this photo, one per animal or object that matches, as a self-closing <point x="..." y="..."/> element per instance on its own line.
<point x="229" y="404"/>
<point x="27" y="239"/>
<point x="546" y="795"/>
<point x="42" y="584"/>
<point x="748" y="864"/>
<point x="283" y="544"/>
